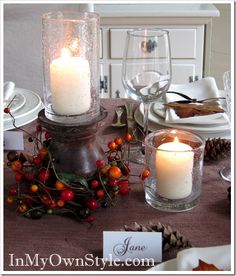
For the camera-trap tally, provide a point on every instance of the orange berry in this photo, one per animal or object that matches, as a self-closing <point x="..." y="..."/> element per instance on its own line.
<point x="105" y="169"/>
<point x="16" y="166"/>
<point x="100" y="193"/>
<point x="145" y="174"/>
<point x="59" y="185"/>
<point x="60" y="202"/>
<point x="22" y="208"/>
<point x="118" y="141"/>
<point x="43" y="152"/>
<point x="10" y="200"/>
<point x="34" y="188"/>
<point x="112" y="145"/>
<point x="115" y="172"/>
<point x="128" y="137"/>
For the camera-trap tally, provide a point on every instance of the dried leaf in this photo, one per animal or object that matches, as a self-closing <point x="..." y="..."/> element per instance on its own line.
<point x="191" y="110"/>
<point x="205" y="266"/>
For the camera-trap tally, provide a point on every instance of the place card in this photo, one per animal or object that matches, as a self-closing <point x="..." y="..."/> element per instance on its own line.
<point x="120" y="246"/>
<point x="13" y="140"/>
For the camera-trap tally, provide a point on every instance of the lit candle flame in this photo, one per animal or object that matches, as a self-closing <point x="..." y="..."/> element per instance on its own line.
<point x="176" y="140"/>
<point x="65" y="53"/>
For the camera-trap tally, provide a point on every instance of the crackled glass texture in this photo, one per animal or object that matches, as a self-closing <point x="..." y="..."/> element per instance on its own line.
<point x="70" y="44"/>
<point x="174" y="158"/>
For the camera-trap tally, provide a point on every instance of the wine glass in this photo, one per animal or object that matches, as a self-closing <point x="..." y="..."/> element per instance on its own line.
<point x="225" y="173"/>
<point x="146" y="71"/>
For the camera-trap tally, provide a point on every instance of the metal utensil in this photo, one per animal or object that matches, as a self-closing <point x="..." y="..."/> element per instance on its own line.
<point x="119" y="111"/>
<point x="192" y="100"/>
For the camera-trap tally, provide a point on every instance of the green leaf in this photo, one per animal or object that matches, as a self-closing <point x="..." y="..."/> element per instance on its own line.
<point x="73" y="179"/>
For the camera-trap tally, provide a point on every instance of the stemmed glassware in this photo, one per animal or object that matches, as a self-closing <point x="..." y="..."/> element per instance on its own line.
<point x="225" y="173"/>
<point x="146" y="70"/>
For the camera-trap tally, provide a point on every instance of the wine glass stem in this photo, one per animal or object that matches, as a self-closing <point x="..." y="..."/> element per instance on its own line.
<point x="145" y="118"/>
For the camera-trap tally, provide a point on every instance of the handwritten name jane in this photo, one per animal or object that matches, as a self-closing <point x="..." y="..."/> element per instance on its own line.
<point x="121" y="249"/>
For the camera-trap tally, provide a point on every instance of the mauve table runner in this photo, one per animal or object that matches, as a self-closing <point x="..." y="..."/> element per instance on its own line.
<point x="206" y="225"/>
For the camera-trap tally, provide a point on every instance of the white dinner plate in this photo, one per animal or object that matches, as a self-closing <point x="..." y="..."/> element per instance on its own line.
<point x="157" y="123"/>
<point x="27" y="113"/>
<point x="214" y="128"/>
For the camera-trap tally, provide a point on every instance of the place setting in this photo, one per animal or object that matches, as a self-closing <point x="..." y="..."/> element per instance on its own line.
<point x="198" y="106"/>
<point x="23" y="103"/>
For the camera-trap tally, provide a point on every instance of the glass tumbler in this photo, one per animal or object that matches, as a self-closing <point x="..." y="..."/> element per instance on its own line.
<point x="175" y="160"/>
<point x="70" y="43"/>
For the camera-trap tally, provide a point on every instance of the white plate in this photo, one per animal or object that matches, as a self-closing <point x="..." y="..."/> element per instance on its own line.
<point x="215" y="128"/>
<point x="17" y="103"/>
<point x="158" y="123"/>
<point x="27" y="113"/>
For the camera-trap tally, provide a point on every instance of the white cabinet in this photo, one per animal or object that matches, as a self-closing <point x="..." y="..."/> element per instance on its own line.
<point x="189" y="38"/>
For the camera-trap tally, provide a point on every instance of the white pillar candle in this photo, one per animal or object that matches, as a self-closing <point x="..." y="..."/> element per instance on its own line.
<point x="174" y="165"/>
<point x="70" y="84"/>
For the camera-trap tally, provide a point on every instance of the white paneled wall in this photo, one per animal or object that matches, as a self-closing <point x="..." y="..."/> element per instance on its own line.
<point x="220" y="47"/>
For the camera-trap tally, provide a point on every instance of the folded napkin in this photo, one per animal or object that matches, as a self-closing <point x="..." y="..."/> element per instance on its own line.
<point x="219" y="256"/>
<point x="202" y="89"/>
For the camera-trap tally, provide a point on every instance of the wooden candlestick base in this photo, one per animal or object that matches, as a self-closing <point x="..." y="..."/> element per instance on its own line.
<point x="74" y="147"/>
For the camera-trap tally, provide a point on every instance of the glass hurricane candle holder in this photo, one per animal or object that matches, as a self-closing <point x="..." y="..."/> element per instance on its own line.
<point x="175" y="159"/>
<point x="71" y="66"/>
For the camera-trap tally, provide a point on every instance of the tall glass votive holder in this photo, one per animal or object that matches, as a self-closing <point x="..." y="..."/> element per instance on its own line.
<point x="175" y="160"/>
<point x="71" y="66"/>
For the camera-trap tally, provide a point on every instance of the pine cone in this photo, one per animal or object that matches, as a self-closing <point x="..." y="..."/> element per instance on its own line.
<point x="170" y="239"/>
<point x="216" y="149"/>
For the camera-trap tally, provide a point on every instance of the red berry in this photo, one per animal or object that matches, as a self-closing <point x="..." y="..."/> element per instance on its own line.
<point x="44" y="175"/>
<point x="100" y="193"/>
<point x="112" y="182"/>
<point x="13" y="191"/>
<point x="67" y="195"/>
<point x="94" y="184"/>
<point x="60" y="202"/>
<point x="90" y="219"/>
<point x="112" y="145"/>
<point x="37" y="160"/>
<point x="47" y="135"/>
<point x="99" y="163"/>
<point x="118" y="141"/>
<point x="47" y="202"/>
<point x="53" y="204"/>
<point x="128" y="137"/>
<point x="111" y="158"/>
<point x="29" y="175"/>
<point x="19" y="177"/>
<point x="6" y="110"/>
<point x="123" y="187"/>
<point x="92" y="204"/>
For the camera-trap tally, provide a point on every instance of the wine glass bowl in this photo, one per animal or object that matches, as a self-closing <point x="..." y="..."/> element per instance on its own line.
<point x="146" y="74"/>
<point x="146" y="68"/>
<point x="225" y="173"/>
